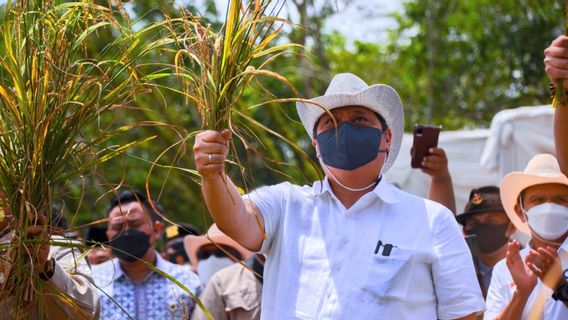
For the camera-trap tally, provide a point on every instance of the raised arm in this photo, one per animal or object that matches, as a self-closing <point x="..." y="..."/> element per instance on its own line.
<point x="556" y="62"/>
<point x="525" y="281"/>
<point x="72" y="277"/>
<point x="235" y="217"/>
<point x="441" y="188"/>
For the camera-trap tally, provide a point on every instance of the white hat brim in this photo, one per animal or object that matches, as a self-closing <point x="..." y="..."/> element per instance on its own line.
<point x="192" y="244"/>
<point x="514" y="183"/>
<point x="380" y="98"/>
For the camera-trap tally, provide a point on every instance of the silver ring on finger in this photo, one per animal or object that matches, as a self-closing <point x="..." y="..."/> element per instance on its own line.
<point x="210" y="156"/>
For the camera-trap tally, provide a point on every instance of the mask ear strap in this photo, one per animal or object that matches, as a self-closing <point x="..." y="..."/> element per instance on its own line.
<point x="386" y="151"/>
<point x="521" y="206"/>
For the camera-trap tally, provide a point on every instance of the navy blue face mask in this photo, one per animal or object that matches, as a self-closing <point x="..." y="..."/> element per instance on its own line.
<point x="349" y="146"/>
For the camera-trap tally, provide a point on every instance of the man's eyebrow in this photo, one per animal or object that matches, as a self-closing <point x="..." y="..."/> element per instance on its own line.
<point x="116" y="221"/>
<point x="535" y="196"/>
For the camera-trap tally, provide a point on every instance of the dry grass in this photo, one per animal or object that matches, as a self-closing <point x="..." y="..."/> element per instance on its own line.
<point x="51" y="90"/>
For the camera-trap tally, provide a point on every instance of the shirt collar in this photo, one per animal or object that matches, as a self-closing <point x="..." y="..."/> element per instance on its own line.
<point x="483" y="268"/>
<point x="119" y="273"/>
<point x="384" y="190"/>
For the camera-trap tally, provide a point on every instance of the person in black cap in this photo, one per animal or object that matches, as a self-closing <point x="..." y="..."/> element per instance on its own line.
<point x="487" y="230"/>
<point x="174" y="251"/>
<point x="97" y="239"/>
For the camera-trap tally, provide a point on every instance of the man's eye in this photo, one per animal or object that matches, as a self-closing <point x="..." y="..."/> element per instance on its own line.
<point x="471" y="225"/>
<point x="360" y="119"/>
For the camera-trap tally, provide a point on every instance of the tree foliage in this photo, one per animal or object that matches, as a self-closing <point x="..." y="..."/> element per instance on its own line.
<point x="454" y="63"/>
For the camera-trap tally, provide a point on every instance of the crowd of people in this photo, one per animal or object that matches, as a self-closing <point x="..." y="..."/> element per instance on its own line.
<point x="352" y="246"/>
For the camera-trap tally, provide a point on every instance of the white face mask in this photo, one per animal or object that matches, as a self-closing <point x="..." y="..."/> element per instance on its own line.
<point x="208" y="267"/>
<point x="548" y="220"/>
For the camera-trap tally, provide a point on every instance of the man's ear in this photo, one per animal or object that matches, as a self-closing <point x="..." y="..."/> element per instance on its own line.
<point x="388" y="138"/>
<point x="158" y="228"/>
<point x="519" y="212"/>
<point x="315" y="144"/>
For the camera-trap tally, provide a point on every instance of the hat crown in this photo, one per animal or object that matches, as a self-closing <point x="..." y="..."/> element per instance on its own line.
<point x="345" y="83"/>
<point x="543" y="165"/>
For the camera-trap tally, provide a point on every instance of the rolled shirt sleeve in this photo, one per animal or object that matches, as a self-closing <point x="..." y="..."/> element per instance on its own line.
<point x="455" y="281"/>
<point x="72" y="277"/>
<point x="269" y="201"/>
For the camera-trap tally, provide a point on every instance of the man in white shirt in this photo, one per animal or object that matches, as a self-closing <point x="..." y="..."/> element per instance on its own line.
<point x="531" y="283"/>
<point x="351" y="246"/>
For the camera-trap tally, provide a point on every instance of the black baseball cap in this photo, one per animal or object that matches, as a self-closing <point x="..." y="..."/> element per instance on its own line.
<point x="484" y="199"/>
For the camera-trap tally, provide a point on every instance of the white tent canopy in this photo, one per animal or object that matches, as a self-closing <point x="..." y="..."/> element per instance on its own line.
<point x="482" y="157"/>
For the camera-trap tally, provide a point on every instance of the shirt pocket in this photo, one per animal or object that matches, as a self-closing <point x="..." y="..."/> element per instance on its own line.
<point x="176" y="308"/>
<point x="244" y="299"/>
<point x="388" y="277"/>
<point x="387" y="280"/>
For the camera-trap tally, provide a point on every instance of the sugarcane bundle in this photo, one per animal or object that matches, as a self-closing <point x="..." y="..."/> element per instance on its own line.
<point x="52" y="87"/>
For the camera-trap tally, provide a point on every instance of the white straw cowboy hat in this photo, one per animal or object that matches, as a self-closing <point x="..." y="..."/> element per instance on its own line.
<point x="541" y="169"/>
<point x="346" y="89"/>
<point x="193" y="243"/>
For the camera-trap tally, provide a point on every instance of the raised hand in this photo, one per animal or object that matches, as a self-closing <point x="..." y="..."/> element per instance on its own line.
<point x="210" y="152"/>
<point x="524" y="278"/>
<point x="546" y="265"/>
<point x="556" y="60"/>
<point x="435" y="164"/>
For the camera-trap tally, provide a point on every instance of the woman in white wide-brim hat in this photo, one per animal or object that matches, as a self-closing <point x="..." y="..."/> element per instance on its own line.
<point x="531" y="283"/>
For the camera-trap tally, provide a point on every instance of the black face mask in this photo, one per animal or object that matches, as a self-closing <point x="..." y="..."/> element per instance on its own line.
<point x="490" y="237"/>
<point x="130" y="245"/>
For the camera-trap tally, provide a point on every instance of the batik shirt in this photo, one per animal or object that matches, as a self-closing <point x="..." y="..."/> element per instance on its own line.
<point x="155" y="298"/>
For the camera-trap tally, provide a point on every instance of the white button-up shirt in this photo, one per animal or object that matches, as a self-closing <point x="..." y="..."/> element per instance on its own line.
<point x="540" y="301"/>
<point x="321" y="260"/>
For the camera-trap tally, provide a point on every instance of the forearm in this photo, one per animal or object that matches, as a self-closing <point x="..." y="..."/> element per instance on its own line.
<point x="69" y="296"/>
<point x="561" y="136"/>
<point x="515" y="307"/>
<point x="232" y="215"/>
<point x="442" y="191"/>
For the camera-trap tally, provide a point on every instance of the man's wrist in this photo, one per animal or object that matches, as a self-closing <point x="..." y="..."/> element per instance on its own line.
<point x="523" y="295"/>
<point x="552" y="88"/>
<point x="48" y="270"/>
<point x="444" y="178"/>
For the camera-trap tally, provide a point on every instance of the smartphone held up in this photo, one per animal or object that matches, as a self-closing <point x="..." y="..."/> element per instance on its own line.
<point x="425" y="137"/>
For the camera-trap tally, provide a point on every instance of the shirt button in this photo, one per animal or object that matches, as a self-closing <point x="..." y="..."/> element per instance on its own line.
<point x="337" y="267"/>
